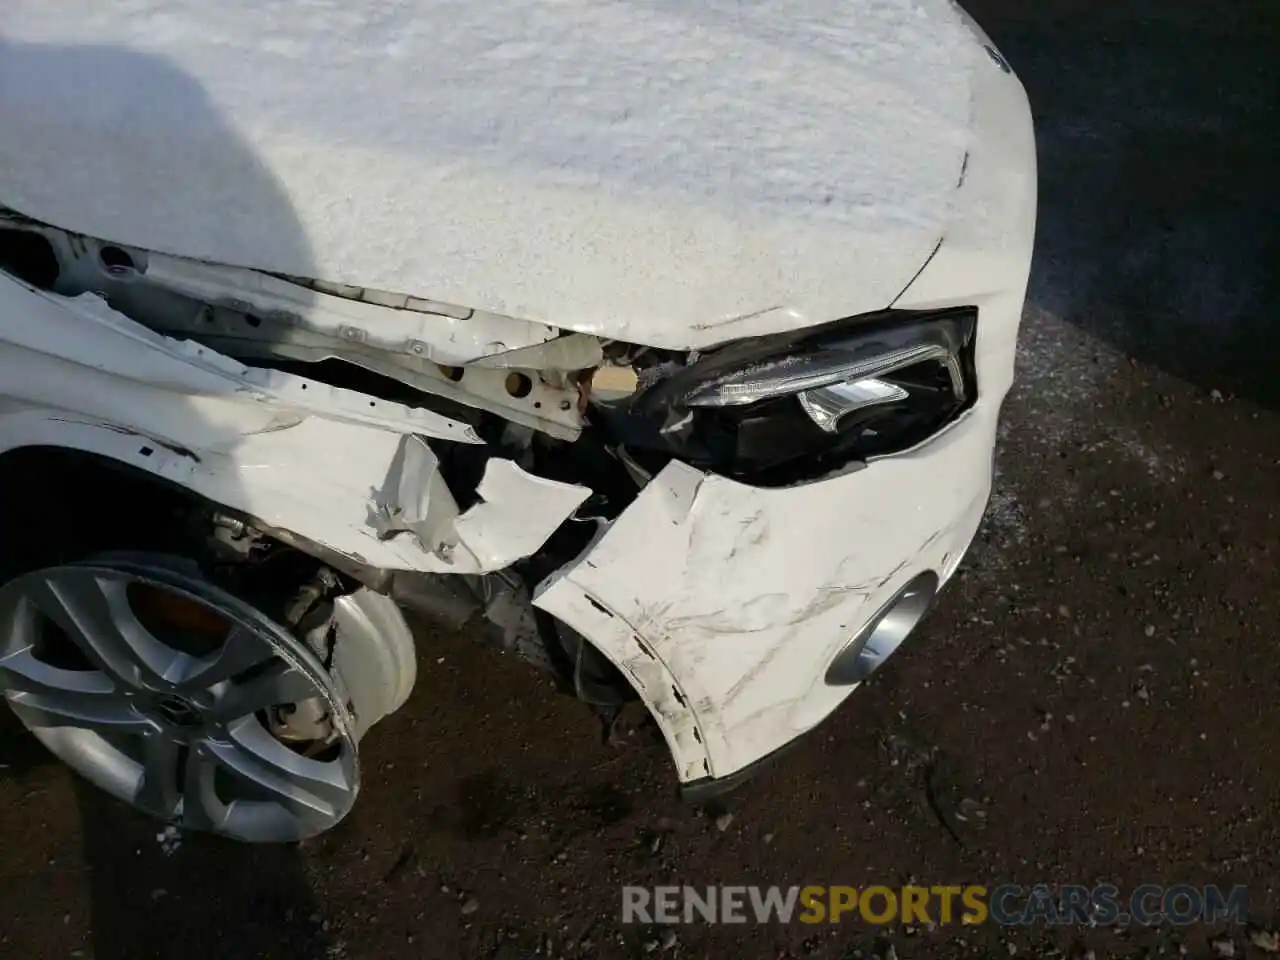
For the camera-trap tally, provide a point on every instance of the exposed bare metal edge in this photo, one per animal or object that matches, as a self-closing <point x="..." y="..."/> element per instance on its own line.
<point x="258" y="441"/>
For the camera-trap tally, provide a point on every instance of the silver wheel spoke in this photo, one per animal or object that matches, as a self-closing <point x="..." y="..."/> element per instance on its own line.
<point x="46" y="696"/>
<point x="94" y="613"/>
<point x="201" y="808"/>
<point x="280" y="684"/>
<point x="101" y="713"/>
<point x="21" y="672"/>
<point x="158" y="791"/>
<point x="305" y="787"/>
<point x="241" y="651"/>
<point x="164" y="704"/>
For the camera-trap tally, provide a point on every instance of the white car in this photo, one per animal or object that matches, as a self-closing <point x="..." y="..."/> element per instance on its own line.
<point x="670" y="338"/>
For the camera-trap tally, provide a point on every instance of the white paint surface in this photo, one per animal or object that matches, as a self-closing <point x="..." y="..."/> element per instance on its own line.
<point x="650" y="170"/>
<point x="517" y="514"/>
<point x="746" y="595"/>
<point x="723" y="604"/>
<point x="739" y="598"/>
<point x="295" y="453"/>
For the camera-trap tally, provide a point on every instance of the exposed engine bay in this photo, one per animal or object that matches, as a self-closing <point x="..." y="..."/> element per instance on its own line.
<point x="598" y="418"/>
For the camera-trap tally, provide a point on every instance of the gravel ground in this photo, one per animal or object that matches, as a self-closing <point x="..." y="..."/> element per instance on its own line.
<point x="1099" y="683"/>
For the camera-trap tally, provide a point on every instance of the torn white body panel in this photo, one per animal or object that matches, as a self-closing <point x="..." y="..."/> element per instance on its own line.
<point x="517" y="513"/>
<point x="667" y="174"/>
<point x="294" y="453"/>
<point x="745" y="595"/>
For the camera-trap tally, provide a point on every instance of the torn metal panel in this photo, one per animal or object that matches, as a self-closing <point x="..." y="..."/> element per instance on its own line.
<point x="295" y="454"/>
<point x="745" y="594"/>
<point x="693" y="736"/>
<point x="288" y="479"/>
<point x="334" y="466"/>
<point x="105" y="349"/>
<point x="415" y="497"/>
<point x="518" y="513"/>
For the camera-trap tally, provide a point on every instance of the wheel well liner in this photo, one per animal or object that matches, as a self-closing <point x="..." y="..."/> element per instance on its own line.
<point x="58" y="503"/>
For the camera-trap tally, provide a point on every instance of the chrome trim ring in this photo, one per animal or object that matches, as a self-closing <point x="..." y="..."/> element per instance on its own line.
<point x="884" y="633"/>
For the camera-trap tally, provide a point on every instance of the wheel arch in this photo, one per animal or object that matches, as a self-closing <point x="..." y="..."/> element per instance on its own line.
<point x="60" y="500"/>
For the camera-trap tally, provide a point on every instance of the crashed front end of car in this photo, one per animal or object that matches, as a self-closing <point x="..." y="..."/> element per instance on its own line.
<point x="735" y="522"/>
<point x="791" y="517"/>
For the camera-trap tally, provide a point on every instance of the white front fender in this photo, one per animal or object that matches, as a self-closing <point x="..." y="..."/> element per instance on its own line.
<point x="319" y="461"/>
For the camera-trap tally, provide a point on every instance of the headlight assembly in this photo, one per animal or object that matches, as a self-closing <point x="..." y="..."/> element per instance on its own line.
<point x="777" y="410"/>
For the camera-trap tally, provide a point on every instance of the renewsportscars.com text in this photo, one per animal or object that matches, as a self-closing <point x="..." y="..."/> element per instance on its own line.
<point x="1006" y="904"/>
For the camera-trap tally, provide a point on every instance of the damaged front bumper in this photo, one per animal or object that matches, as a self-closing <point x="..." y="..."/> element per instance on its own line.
<point x="725" y="604"/>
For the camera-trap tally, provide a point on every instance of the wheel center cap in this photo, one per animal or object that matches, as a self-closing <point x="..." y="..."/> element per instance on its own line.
<point x="179" y="711"/>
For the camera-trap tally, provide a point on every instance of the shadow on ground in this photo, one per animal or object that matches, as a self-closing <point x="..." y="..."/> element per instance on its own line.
<point x="162" y="895"/>
<point x="195" y="895"/>
<point x="1159" y="226"/>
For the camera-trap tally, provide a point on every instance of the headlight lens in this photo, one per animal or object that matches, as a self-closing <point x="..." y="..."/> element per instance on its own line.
<point x="827" y="405"/>
<point x="780" y="410"/>
<point x="839" y="364"/>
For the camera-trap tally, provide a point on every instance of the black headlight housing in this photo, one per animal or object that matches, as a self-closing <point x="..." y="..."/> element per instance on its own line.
<point x="784" y="409"/>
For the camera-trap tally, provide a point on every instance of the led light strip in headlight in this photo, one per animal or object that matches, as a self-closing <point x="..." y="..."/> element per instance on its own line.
<point x="828" y="386"/>
<point x="781" y="408"/>
<point x="798" y="375"/>
<point x="826" y="405"/>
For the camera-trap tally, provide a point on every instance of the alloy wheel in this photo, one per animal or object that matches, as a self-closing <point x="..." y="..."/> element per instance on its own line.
<point x="176" y="696"/>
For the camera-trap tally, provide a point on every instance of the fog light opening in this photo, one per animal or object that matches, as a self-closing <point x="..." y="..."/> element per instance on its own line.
<point x="891" y="625"/>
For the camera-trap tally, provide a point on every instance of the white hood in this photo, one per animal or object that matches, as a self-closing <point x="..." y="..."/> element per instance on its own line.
<point x="662" y="171"/>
